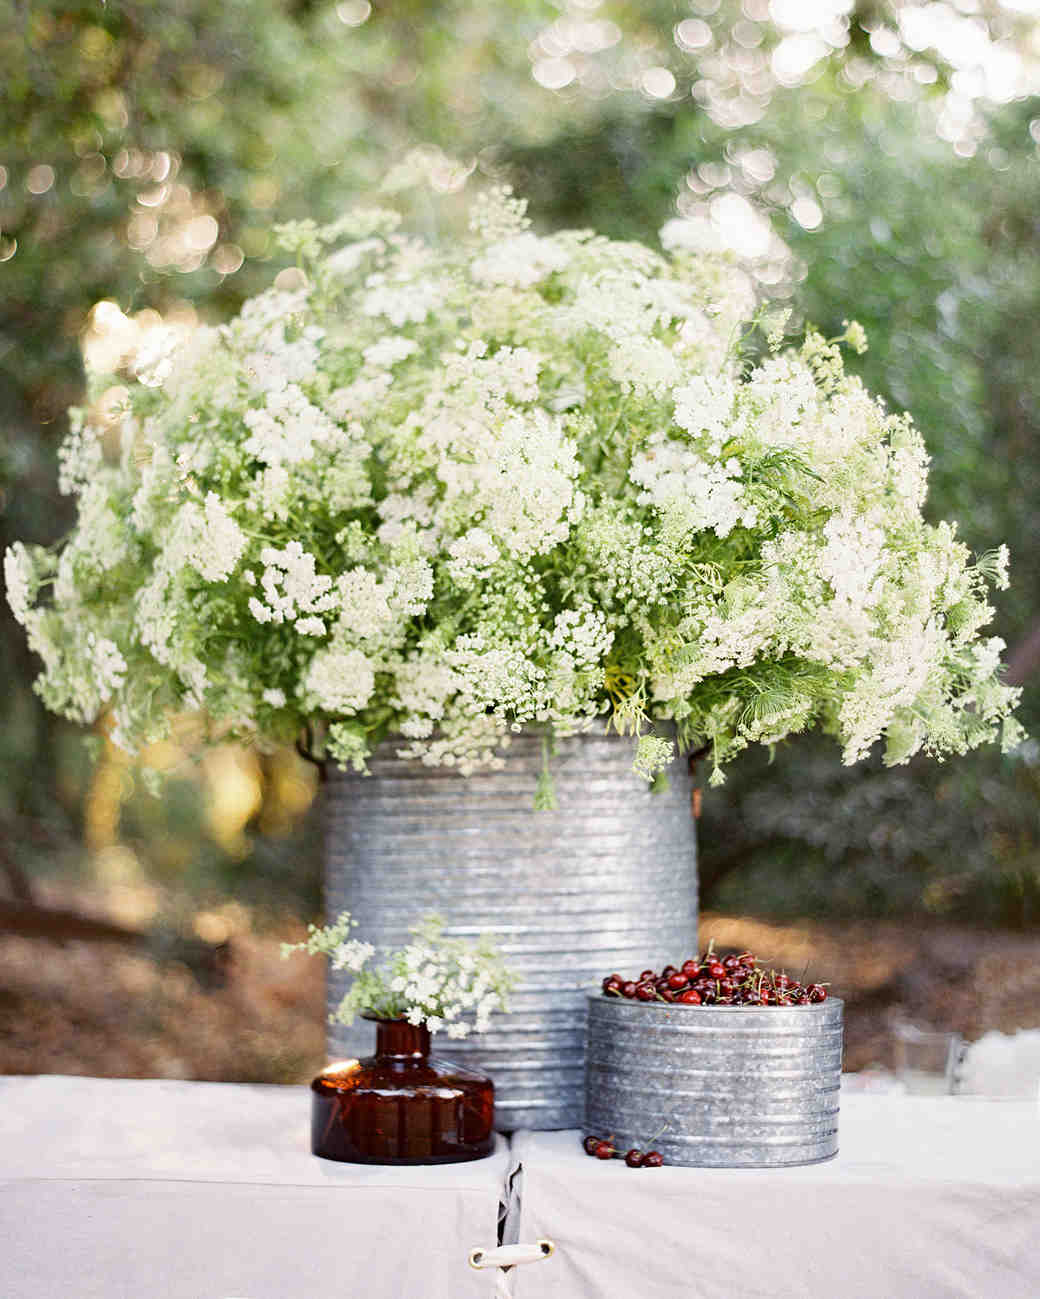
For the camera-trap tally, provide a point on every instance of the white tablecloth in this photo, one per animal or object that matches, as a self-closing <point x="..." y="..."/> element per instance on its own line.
<point x="929" y="1198"/>
<point x="113" y="1189"/>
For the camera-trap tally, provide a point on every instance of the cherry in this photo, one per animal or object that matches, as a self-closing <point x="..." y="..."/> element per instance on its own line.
<point x="653" y="1159"/>
<point x="604" y="1150"/>
<point x="590" y="1144"/>
<point x="736" y="979"/>
<point x="634" y="1159"/>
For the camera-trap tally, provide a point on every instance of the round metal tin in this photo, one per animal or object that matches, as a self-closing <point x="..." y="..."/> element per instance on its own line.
<point x="715" y="1086"/>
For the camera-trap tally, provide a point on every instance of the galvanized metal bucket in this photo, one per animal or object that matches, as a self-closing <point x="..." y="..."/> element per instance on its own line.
<point x="608" y="880"/>
<point x="715" y="1086"/>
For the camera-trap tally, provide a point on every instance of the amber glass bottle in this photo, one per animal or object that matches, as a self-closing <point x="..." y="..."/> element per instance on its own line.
<point x="401" y="1105"/>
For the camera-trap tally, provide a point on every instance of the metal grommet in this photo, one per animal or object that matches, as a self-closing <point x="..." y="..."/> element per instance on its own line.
<point x="547" y="1248"/>
<point x="475" y="1256"/>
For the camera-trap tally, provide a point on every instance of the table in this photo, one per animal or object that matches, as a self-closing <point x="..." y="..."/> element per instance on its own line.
<point x="929" y="1198"/>
<point x="116" y="1189"/>
<point x="120" y="1189"/>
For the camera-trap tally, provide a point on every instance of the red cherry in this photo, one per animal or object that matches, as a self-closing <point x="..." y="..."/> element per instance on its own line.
<point x="634" y="1159"/>
<point x="731" y="962"/>
<point x="653" y="1159"/>
<point x="646" y="992"/>
<point x="690" y="968"/>
<point x="677" y="981"/>
<point x="647" y="974"/>
<point x="604" y="1150"/>
<point x="691" y="997"/>
<point x="717" y="970"/>
<point x="817" y="992"/>
<point x="782" y="981"/>
<point x="628" y="990"/>
<point x="590" y="1144"/>
<point x="668" y="971"/>
<point x="612" y="986"/>
<point x="666" y="994"/>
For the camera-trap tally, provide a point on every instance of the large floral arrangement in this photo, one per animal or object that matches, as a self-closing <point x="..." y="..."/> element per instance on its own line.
<point x="443" y="492"/>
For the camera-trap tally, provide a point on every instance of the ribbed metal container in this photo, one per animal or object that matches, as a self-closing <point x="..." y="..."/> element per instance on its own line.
<point x="724" y="1086"/>
<point x="608" y="880"/>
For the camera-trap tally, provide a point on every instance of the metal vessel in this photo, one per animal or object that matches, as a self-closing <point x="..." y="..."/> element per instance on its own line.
<point x="715" y="1086"/>
<point x="606" y="881"/>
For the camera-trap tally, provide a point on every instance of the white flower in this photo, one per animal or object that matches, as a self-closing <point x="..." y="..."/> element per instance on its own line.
<point x="646" y="367"/>
<point x="520" y="261"/>
<point x="19" y="580"/>
<point x="108" y="665"/>
<point x="291" y="587"/>
<point x="652" y="755"/>
<point x="344" y="261"/>
<point x="153" y="362"/>
<point x="338" y="682"/>
<point x="286" y="428"/>
<point x="401" y="304"/>
<point x="704" y="406"/>
<point x="209" y="539"/>
<point x="695" y="493"/>
<point x="472" y="555"/>
<point x="352" y="955"/>
<point x="389" y="350"/>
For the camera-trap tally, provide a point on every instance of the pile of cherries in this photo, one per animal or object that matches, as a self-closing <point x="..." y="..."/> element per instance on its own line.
<point x="712" y="980"/>
<point x="633" y="1159"/>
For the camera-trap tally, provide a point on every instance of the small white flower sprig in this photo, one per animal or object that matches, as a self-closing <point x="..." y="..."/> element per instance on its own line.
<point x="443" y="983"/>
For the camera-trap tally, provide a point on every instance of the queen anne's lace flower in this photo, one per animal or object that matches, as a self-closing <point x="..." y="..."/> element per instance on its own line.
<point x="434" y="981"/>
<point x="339" y="682"/>
<point x="519" y="480"/>
<point x="19" y="579"/>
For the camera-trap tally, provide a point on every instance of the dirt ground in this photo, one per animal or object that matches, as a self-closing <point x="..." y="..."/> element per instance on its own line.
<point x="234" y="1011"/>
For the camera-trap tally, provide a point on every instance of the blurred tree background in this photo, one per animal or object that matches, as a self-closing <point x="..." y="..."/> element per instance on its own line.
<point x="865" y="158"/>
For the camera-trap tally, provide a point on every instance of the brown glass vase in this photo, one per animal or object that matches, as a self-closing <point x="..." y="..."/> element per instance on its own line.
<point x="401" y="1105"/>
